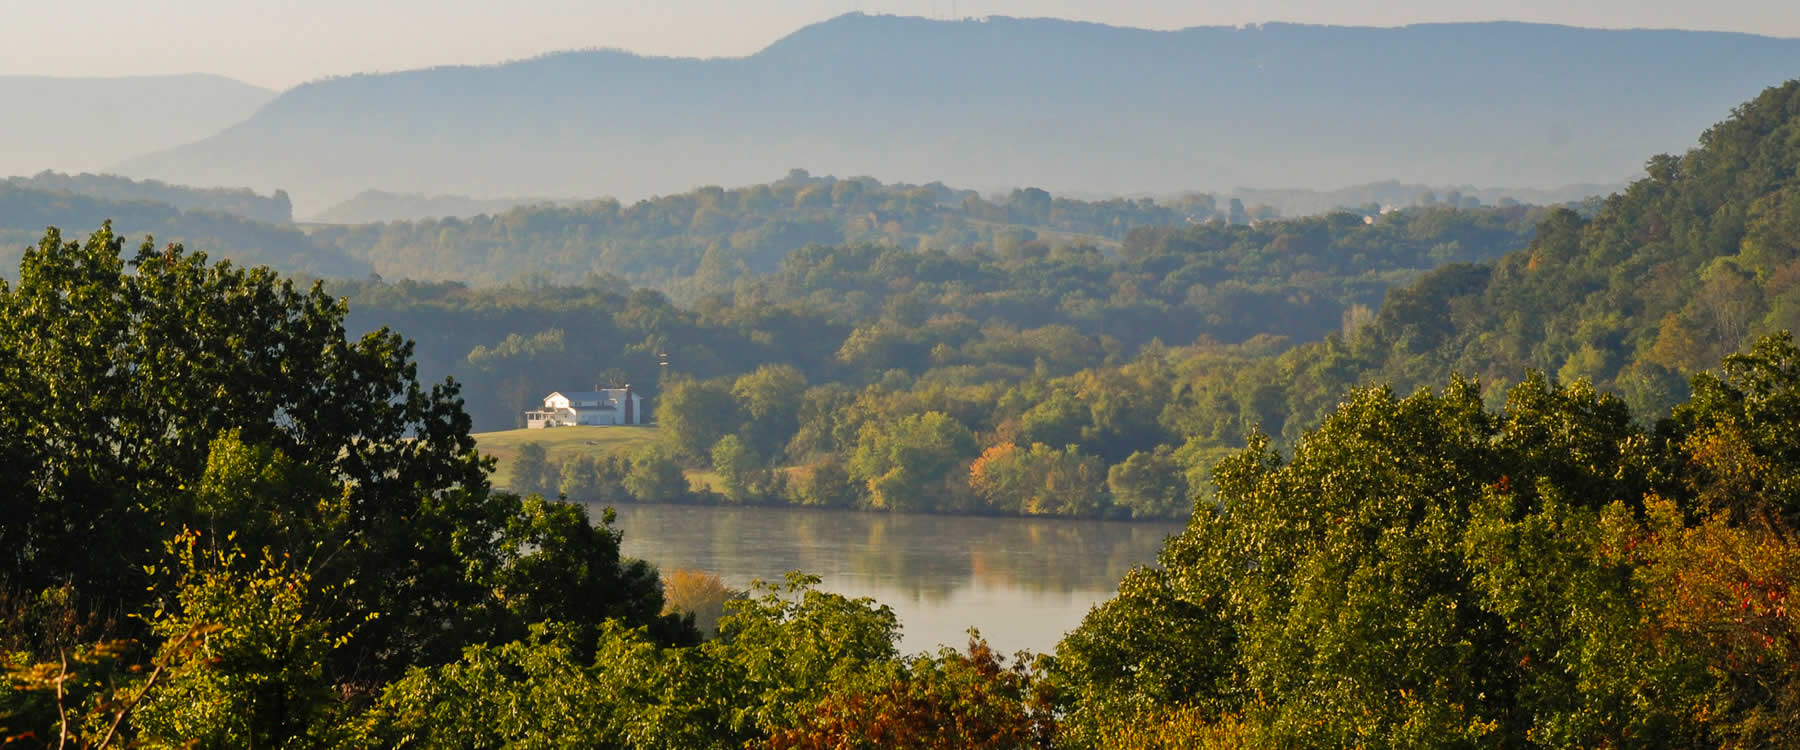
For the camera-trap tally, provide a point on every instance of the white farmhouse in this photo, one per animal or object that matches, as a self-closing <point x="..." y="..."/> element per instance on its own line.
<point x="607" y="406"/>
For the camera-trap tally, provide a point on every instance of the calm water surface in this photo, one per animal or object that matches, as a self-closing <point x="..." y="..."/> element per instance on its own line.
<point x="1023" y="582"/>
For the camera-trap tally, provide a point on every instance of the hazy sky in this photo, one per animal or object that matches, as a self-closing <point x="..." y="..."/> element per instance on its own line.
<point x="278" y="43"/>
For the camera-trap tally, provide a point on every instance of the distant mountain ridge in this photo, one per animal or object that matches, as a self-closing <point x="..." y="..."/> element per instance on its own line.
<point x="1061" y="105"/>
<point x="84" y="124"/>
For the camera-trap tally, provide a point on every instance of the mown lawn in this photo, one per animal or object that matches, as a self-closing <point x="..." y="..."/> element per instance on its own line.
<point x="560" y="443"/>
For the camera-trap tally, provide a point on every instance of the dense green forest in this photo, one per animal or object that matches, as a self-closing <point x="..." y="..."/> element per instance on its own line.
<point x="708" y="238"/>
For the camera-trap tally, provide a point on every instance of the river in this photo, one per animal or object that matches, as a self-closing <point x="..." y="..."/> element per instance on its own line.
<point x="1023" y="582"/>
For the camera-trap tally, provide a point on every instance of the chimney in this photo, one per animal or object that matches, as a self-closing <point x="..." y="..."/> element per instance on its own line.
<point x="630" y="414"/>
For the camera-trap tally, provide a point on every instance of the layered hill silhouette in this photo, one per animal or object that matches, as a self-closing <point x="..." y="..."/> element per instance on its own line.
<point x="272" y="209"/>
<point x="1002" y="102"/>
<point x="26" y="208"/>
<point x="84" y="124"/>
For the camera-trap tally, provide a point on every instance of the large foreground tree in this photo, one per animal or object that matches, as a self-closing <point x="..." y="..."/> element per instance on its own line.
<point x="143" y="396"/>
<point x="1427" y="572"/>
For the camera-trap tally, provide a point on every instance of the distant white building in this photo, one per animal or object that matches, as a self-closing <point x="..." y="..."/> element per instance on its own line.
<point x="608" y="406"/>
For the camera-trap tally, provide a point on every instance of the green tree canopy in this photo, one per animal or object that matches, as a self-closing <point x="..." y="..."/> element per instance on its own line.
<point x="900" y="461"/>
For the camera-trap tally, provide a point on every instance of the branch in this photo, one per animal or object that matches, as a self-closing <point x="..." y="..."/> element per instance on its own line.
<point x="62" y="711"/>
<point x="154" y="674"/>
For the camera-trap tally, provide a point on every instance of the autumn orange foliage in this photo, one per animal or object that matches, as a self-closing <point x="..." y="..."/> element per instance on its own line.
<point x="952" y="701"/>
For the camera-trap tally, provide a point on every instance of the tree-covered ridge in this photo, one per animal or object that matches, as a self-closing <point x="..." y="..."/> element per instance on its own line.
<point x="707" y="238"/>
<point x="1675" y="272"/>
<point x="1228" y="282"/>
<point x="26" y="211"/>
<point x="1687" y="265"/>
<point x="273" y="209"/>
<point x="372" y="206"/>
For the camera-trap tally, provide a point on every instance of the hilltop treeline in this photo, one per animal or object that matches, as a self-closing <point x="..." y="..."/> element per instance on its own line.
<point x="372" y="206"/>
<point x="274" y="209"/>
<point x="706" y="239"/>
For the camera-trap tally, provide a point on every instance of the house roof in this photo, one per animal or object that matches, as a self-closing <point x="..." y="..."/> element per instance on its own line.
<point x="591" y="395"/>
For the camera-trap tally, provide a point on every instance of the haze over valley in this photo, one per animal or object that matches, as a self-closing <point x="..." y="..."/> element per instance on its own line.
<point x="89" y="124"/>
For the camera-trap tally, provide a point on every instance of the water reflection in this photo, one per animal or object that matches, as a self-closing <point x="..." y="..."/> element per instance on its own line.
<point x="1023" y="582"/>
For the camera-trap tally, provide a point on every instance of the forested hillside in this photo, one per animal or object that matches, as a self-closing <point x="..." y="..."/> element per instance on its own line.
<point x="25" y="212"/>
<point x="273" y="209"/>
<point x="1683" y="267"/>
<point x="1005" y="102"/>
<point x="709" y="238"/>
<point x="712" y="239"/>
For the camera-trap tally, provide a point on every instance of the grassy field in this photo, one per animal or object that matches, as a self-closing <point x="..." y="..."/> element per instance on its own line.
<point x="560" y="443"/>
